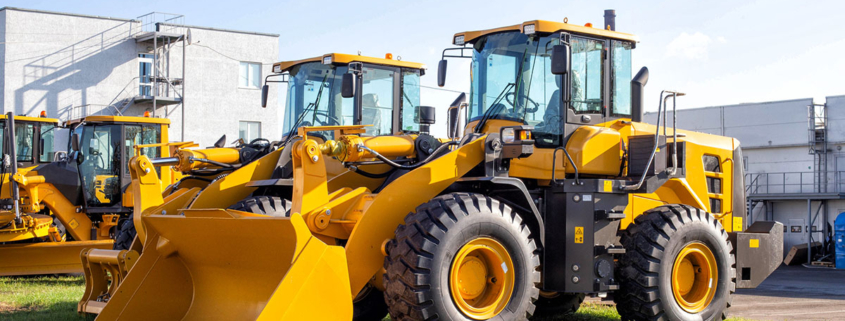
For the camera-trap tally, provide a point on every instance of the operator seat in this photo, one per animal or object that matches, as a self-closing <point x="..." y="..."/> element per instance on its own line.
<point x="371" y="114"/>
<point x="552" y="124"/>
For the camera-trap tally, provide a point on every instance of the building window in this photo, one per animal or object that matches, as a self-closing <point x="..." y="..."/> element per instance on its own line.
<point x="249" y="130"/>
<point x="250" y="75"/>
<point x="145" y="74"/>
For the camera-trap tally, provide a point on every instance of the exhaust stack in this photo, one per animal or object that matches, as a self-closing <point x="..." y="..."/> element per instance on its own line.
<point x="610" y="19"/>
<point x="637" y="85"/>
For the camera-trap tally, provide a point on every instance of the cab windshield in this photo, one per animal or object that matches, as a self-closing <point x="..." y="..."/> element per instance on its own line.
<point x="512" y="80"/>
<point x="314" y="98"/>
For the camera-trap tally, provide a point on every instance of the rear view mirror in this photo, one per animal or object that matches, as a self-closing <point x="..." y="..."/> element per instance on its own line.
<point x="222" y="141"/>
<point x="441" y="73"/>
<point x="74" y="142"/>
<point x="560" y="59"/>
<point x="348" y="85"/>
<point x="264" y="91"/>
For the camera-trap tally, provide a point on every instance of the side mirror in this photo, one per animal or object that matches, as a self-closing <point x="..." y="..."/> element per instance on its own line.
<point x="264" y="90"/>
<point x="222" y="141"/>
<point x="74" y="142"/>
<point x="348" y="85"/>
<point x="441" y="73"/>
<point x="560" y="59"/>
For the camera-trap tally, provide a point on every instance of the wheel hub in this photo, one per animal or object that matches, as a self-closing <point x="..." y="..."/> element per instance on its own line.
<point x="481" y="278"/>
<point x="694" y="276"/>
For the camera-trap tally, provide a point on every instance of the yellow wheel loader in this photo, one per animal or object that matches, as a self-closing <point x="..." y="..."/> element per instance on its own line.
<point x="32" y="140"/>
<point x="385" y="96"/>
<point x="75" y="202"/>
<point x="555" y="190"/>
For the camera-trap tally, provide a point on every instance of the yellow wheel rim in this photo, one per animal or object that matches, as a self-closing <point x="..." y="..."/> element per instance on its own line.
<point x="481" y="278"/>
<point x="694" y="277"/>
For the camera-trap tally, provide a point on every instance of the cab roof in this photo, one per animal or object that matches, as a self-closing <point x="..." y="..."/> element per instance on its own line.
<point x="33" y="119"/>
<point x="343" y="59"/>
<point x="121" y="119"/>
<point x="544" y="26"/>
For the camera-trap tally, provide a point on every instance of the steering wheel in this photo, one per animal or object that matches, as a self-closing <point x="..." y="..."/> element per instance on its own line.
<point x="509" y="98"/>
<point x="327" y="120"/>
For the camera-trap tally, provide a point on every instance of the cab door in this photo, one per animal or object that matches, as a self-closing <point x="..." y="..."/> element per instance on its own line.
<point x="586" y="83"/>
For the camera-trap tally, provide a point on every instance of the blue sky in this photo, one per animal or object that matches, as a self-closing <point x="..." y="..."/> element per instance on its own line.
<point x="719" y="52"/>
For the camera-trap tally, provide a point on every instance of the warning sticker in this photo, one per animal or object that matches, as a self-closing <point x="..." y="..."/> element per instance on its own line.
<point x="579" y="234"/>
<point x="608" y="186"/>
<point x="73" y="223"/>
<point x="754" y="243"/>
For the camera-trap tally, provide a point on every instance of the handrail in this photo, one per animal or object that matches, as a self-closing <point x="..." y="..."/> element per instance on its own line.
<point x="795" y="182"/>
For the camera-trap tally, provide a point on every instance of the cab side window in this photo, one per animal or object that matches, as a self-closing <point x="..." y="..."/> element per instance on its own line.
<point x="587" y="76"/>
<point x="377" y="100"/>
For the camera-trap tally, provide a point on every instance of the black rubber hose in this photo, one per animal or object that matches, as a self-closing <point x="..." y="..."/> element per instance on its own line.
<point x="414" y="166"/>
<point x="371" y="175"/>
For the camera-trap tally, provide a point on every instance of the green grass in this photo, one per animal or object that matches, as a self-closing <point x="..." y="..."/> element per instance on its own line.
<point x="55" y="298"/>
<point x="40" y="298"/>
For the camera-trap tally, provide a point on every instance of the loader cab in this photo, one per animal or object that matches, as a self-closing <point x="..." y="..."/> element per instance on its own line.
<point x="512" y="82"/>
<point x="389" y="94"/>
<point x="34" y="139"/>
<point x="106" y="144"/>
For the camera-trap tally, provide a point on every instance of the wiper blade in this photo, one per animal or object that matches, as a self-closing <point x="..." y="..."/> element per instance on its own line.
<point x="494" y="107"/>
<point x="488" y="114"/>
<point x="319" y="95"/>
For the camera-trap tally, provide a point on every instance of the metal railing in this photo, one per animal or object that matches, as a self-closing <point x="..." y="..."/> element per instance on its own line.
<point x="795" y="182"/>
<point x="150" y="22"/>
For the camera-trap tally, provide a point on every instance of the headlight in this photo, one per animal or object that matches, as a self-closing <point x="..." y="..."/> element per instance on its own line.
<point x="508" y="135"/>
<point x="528" y="29"/>
<point x="277" y="69"/>
<point x="327" y="60"/>
<point x="459" y="40"/>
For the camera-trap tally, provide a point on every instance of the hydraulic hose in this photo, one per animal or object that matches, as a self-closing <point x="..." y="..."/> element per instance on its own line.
<point x="400" y="166"/>
<point x="371" y="175"/>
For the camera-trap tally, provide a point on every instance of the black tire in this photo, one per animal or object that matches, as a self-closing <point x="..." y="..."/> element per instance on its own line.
<point x="557" y="304"/>
<point x="369" y="305"/>
<point x="266" y="205"/>
<point x="420" y="257"/>
<point x="125" y="234"/>
<point x="652" y="244"/>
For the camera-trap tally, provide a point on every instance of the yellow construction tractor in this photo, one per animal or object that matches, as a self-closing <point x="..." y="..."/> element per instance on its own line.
<point x="386" y="97"/>
<point x="58" y="208"/>
<point x="555" y="190"/>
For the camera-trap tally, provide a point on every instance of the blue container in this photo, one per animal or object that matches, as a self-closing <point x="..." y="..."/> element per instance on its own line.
<point x="839" y="238"/>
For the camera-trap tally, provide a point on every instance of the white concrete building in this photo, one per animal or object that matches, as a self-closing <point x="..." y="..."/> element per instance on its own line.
<point x="72" y="65"/>
<point x="793" y="158"/>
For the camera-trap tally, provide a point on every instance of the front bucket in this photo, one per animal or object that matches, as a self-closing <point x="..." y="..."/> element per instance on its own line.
<point x="45" y="257"/>
<point x="220" y="265"/>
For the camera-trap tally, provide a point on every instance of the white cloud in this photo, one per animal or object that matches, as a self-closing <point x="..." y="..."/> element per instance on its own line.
<point x="721" y="39"/>
<point x="690" y="46"/>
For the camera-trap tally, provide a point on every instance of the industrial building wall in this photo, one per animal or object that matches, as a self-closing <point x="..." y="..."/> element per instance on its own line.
<point x="215" y="104"/>
<point x="778" y="123"/>
<point x="836" y="119"/>
<point x="2" y="57"/>
<point x="61" y="63"/>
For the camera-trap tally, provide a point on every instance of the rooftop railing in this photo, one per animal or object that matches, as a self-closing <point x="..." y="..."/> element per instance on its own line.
<point x="150" y="22"/>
